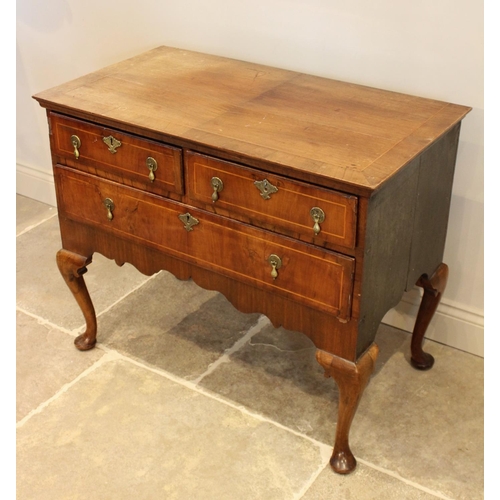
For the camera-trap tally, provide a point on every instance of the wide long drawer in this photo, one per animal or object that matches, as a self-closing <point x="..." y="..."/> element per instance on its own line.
<point x="315" y="277"/>
<point x="303" y="211"/>
<point x="153" y="166"/>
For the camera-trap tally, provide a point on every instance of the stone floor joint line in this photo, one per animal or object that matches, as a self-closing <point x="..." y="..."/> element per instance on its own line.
<point x="324" y="448"/>
<point x="395" y="475"/>
<point x="104" y="311"/>
<point x="109" y="356"/>
<point x="262" y="322"/>
<point x="29" y="228"/>
<point x="46" y="322"/>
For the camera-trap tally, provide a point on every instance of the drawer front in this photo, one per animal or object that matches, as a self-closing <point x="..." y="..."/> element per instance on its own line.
<point x="300" y="210"/>
<point x="315" y="277"/>
<point x="137" y="162"/>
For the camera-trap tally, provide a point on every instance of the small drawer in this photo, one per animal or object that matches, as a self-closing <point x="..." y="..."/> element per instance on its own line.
<point x="118" y="156"/>
<point x="315" y="277"/>
<point x="297" y="209"/>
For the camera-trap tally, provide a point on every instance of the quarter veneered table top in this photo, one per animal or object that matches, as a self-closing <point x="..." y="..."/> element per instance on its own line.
<point x="310" y="127"/>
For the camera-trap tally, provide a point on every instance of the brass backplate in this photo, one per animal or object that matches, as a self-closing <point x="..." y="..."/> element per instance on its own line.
<point x="112" y="143"/>
<point x="188" y="220"/>
<point x="266" y="188"/>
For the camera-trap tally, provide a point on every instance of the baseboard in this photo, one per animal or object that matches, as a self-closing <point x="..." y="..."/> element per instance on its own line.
<point x="35" y="183"/>
<point x="452" y="324"/>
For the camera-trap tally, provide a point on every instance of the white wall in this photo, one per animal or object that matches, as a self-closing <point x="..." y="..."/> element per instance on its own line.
<point x="430" y="48"/>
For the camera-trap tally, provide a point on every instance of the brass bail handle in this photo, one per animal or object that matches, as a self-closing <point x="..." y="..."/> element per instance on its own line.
<point x="217" y="186"/>
<point x="152" y="166"/>
<point x="318" y="217"/>
<point x="76" y="143"/>
<point x="110" y="206"/>
<point x="275" y="262"/>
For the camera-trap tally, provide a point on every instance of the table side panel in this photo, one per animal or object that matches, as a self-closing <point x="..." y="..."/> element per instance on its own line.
<point x="432" y="207"/>
<point x="388" y="240"/>
<point x="406" y="231"/>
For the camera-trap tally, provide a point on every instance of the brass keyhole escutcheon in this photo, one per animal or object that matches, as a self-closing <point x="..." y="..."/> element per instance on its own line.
<point x="110" y="206"/>
<point x="152" y="165"/>
<point x="266" y="188"/>
<point x="188" y="220"/>
<point x="217" y="186"/>
<point x="318" y="217"/>
<point x="275" y="262"/>
<point x="112" y="143"/>
<point x="76" y="143"/>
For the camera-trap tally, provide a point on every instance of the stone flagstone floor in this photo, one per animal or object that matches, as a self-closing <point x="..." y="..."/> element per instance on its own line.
<point x="186" y="398"/>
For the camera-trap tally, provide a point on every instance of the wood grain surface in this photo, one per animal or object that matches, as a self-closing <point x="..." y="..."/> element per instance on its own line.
<point x="315" y="129"/>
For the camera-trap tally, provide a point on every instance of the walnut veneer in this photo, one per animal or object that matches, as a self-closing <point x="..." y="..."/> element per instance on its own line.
<point x="313" y="201"/>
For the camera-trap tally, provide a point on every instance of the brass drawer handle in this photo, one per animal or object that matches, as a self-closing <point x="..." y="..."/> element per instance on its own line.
<point x="318" y="217"/>
<point x="112" y="143"/>
<point x="76" y="143"/>
<point x="275" y="262"/>
<point x="188" y="220"/>
<point x="110" y="206"/>
<point x="152" y="165"/>
<point x="266" y="188"/>
<point x="217" y="186"/>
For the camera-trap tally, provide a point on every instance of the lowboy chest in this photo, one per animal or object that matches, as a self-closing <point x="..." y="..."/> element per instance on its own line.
<point x="313" y="201"/>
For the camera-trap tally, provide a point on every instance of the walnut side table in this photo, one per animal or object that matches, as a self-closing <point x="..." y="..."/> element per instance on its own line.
<point x="313" y="201"/>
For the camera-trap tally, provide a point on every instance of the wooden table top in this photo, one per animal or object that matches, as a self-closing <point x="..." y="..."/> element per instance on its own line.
<point x="314" y="128"/>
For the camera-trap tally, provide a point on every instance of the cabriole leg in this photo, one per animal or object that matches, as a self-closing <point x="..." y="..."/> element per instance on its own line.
<point x="433" y="290"/>
<point x="72" y="266"/>
<point x="351" y="379"/>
